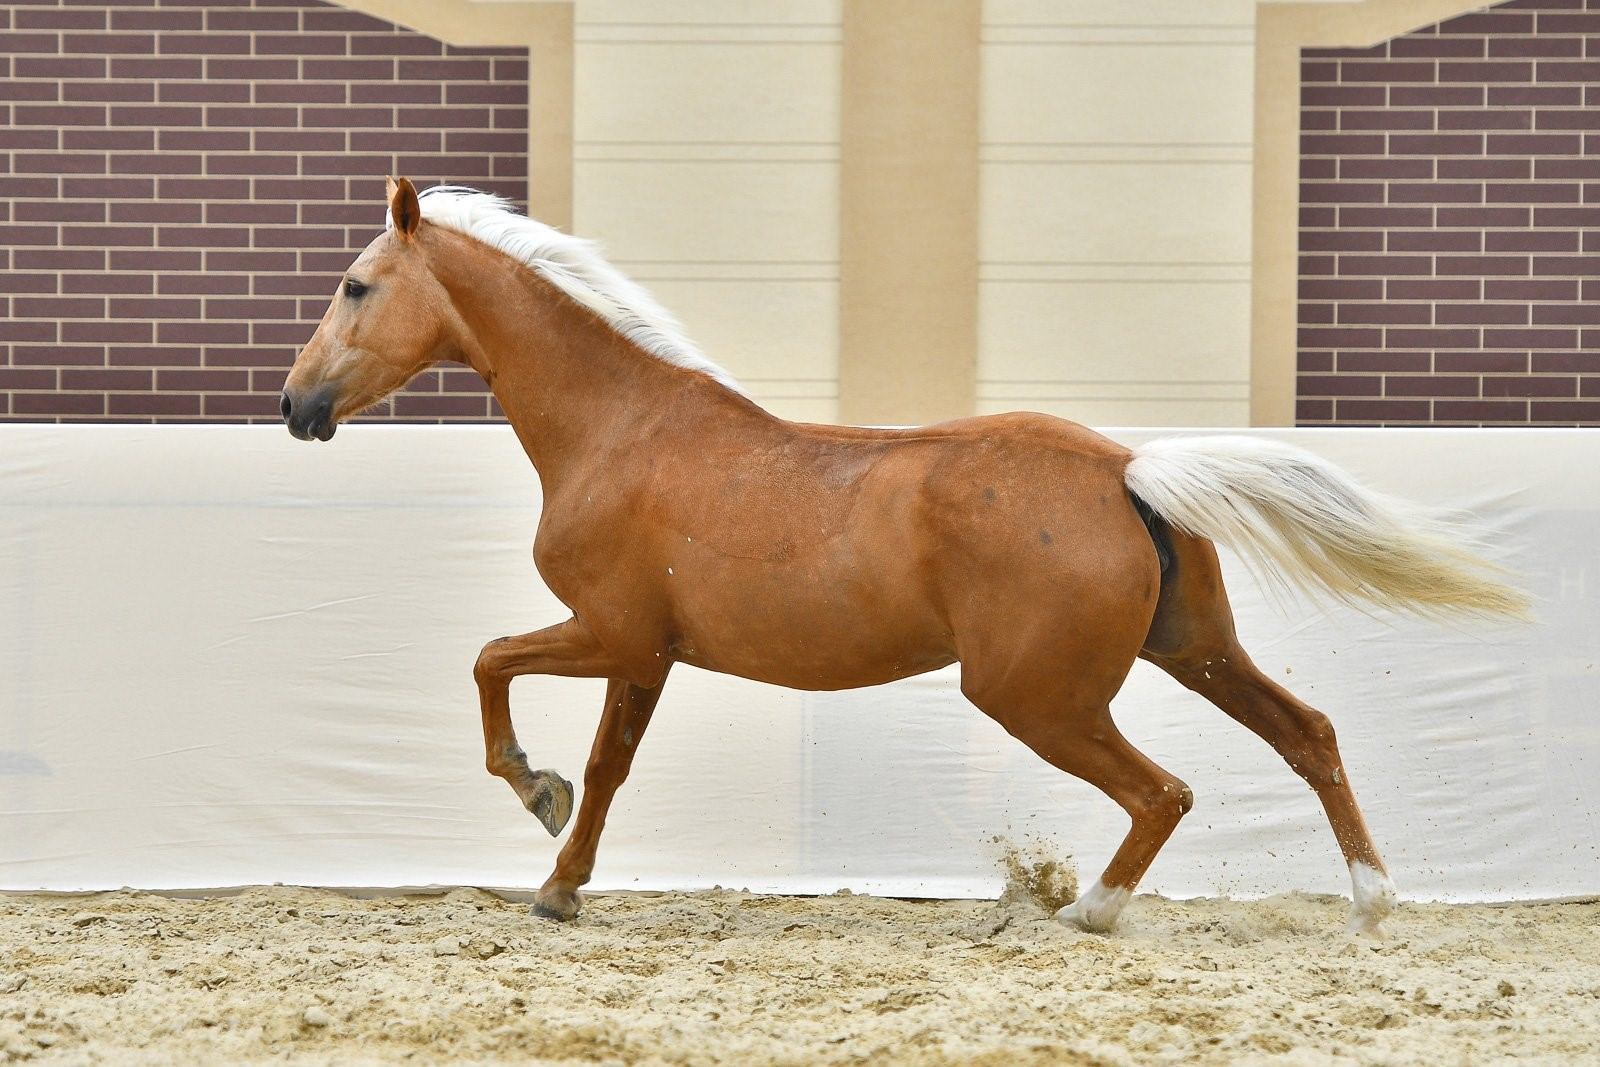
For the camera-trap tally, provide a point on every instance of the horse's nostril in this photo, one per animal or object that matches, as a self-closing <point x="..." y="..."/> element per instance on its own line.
<point x="286" y="406"/>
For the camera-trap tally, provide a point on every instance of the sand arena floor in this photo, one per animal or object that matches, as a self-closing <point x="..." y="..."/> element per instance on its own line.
<point x="310" y="976"/>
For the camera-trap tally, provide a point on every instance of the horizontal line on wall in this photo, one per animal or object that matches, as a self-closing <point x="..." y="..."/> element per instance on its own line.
<point x="697" y="24"/>
<point x="1126" y="389"/>
<point x="676" y="141"/>
<point x="705" y="159"/>
<point x="1026" y="24"/>
<point x="1086" y="271"/>
<point x="1081" y="398"/>
<point x="1088" y="155"/>
<point x="782" y="391"/>
<point x="730" y="271"/>
<point x="1118" y="144"/>
<point x="1113" y="381"/>
<point x="821" y="386"/>
<point x="734" y="262"/>
<point x="1120" y="36"/>
<point x="707" y="33"/>
<point x="1122" y="262"/>
<point x="1113" y="281"/>
<point x="691" y="278"/>
<point x="730" y="158"/>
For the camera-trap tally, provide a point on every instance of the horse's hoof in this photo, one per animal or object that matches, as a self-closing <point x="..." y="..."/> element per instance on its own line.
<point x="551" y="802"/>
<point x="1096" y="910"/>
<point x="1072" y="915"/>
<point x="561" y="906"/>
<point x="1372" y="898"/>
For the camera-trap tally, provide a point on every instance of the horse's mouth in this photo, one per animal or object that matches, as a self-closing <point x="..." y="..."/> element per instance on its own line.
<point x="310" y="417"/>
<point x="321" y="429"/>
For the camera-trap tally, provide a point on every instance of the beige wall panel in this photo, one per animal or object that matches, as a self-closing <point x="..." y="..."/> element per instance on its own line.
<point x="760" y="329"/>
<point x="799" y="410"/>
<point x="1115" y="212"/>
<point x="1116" y="209"/>
<point x="1114" y="94"/>
<point x="688" y="12"/>
<point x="678" y="92"/>
<point x="1115" y="12"/>
<point x="1168" y="334"/>
<point x="707" y="148"/>
<point x="1185" y="411"/>
<point x="715" y="212"/>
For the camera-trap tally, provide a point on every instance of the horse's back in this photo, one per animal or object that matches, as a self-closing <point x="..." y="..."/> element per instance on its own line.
<point x="1022" y="494"/>
<point x="1023" y="427"/>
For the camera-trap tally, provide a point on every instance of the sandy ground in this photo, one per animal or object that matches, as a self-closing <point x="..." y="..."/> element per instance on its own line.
<point x="311" y="976"/>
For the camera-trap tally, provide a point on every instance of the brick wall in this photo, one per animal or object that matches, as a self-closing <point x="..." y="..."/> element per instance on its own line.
<point x="1450" y="223"/>
<point x="182" y="183"/>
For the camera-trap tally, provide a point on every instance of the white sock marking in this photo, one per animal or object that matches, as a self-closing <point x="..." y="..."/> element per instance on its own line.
<point x="1372" y="896"/>
<point x="1097" y="909"/>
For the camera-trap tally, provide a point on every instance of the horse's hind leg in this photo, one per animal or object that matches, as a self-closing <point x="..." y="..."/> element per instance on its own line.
<point x="622" y="723"/>
<point x="1074" y="732"/>
<point x="1193" y="639"/>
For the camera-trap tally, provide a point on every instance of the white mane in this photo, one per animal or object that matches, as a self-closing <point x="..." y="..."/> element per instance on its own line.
<point x="574" y="266"/>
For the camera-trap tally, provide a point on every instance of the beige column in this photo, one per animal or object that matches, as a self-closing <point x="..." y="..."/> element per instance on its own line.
<point x="550" y="109"/>
<point x="908" y="190"/>
<point x="544" y="28"/>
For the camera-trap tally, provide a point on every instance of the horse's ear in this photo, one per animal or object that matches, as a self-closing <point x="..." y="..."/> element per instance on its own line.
<point x="403" y="206"/>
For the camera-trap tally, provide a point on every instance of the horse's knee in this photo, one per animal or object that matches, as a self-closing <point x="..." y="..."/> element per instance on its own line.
<point x="486" y="669"/>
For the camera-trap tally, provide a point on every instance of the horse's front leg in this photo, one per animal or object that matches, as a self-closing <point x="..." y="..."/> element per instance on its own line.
<point x="569" y="650"/>
<point x="622" y="724"/>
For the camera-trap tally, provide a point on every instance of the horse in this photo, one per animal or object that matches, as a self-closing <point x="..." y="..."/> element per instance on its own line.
<point x="683" y="523"/>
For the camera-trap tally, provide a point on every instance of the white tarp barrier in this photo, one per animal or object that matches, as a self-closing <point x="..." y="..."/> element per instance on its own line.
<point x="227" y="657"/>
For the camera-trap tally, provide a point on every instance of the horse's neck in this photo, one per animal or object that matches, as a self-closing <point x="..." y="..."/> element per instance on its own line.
<point x="572" y="387"/>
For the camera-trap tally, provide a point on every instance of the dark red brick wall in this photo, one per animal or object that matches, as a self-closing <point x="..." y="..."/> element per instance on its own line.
<point x="1450" y="223"/>
<point x="182" y="183"/>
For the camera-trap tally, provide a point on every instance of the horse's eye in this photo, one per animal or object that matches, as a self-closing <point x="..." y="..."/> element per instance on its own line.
<point x="353" y="288"/>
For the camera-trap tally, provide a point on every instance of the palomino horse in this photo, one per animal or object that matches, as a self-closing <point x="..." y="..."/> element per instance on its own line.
<point x="683" y="523"/>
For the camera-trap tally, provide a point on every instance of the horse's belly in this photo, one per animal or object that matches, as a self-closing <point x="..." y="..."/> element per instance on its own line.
<point x="818" y="667"/>
<point x="812" y="630"/>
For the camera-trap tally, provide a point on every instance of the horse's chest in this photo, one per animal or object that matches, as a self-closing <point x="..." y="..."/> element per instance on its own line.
<point x="573" y="556"/>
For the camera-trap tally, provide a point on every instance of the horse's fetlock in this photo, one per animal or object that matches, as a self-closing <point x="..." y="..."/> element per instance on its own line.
<point x="506" y="762"/>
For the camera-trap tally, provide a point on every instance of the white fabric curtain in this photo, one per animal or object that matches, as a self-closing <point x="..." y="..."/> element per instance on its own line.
<point x="230" y="658"/>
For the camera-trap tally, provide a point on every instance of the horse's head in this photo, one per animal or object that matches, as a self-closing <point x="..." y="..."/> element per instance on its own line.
<point x="390" y="319"/>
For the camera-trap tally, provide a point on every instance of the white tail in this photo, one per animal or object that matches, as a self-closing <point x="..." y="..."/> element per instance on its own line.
<point x="1301" y="521"/>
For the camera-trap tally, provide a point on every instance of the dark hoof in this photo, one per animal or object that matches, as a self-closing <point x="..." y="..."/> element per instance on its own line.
<point x="551" y="803"/>
<point x="561" y="907"/>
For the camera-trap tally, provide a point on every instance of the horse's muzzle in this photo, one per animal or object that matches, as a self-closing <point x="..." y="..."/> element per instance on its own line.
<point x="310" y="415"/>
